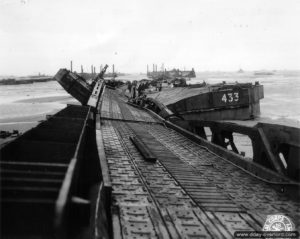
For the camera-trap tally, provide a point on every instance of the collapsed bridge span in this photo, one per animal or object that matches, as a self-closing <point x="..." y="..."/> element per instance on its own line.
<point x="100" y="183"/>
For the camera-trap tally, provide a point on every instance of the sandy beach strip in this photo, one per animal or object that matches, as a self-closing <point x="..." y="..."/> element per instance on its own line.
<point x="25" y="123"/>
<point x="49" y="99"/>
<point x="22" y="124"/>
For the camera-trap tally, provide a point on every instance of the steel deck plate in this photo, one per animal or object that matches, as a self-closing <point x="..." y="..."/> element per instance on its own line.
<point x="189" y="192"/>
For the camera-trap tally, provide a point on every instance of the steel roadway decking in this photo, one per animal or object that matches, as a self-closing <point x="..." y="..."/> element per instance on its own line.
<point x="189" y="192"/>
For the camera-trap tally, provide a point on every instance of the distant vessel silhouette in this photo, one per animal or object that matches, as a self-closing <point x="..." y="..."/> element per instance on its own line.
<point x="263" y="73"/>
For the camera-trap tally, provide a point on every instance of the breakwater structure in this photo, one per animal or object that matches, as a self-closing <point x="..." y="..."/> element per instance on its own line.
<point x="26" y="80"/>
<point x="169" y="74"/>
<point x="113" y="169"/>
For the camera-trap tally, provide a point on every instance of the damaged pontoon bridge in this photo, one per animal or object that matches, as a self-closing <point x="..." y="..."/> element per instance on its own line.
<point x="114" y="170"/>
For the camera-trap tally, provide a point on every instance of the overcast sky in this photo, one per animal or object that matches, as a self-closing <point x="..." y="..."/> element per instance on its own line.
<point x="44" y="35"/>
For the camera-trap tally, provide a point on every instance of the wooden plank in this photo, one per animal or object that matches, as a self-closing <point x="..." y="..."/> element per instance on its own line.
<point x="143" y="149"/>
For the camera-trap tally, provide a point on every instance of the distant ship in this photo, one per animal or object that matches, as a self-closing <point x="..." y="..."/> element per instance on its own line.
<point x="111" y="75"/>
<point x="90" y="75"/>
<point x="174" y="73"/>
<point x="263" y="73"/>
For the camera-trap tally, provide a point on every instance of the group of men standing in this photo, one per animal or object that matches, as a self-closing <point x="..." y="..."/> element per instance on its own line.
<point x="136" y="89"/>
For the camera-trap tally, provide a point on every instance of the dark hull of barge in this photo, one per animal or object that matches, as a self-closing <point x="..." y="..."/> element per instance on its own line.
<point x="113" y="170"/>
<point x="211" y="102"/>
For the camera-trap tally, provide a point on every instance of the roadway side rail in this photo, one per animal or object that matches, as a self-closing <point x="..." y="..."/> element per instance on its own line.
<point x="103" y="224"/>
<point x="67" y="200"/>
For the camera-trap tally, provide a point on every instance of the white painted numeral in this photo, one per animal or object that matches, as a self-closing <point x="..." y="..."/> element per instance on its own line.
<point x="236" y="96"/>
<point x="224" y="98"/>
<point x="230" y="97"/>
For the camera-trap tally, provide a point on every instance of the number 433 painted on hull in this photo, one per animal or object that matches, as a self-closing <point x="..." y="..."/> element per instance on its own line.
<point x="230" y="97"/>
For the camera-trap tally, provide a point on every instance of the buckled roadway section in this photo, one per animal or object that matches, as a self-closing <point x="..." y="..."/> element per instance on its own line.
<point x="189" y="192"/>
